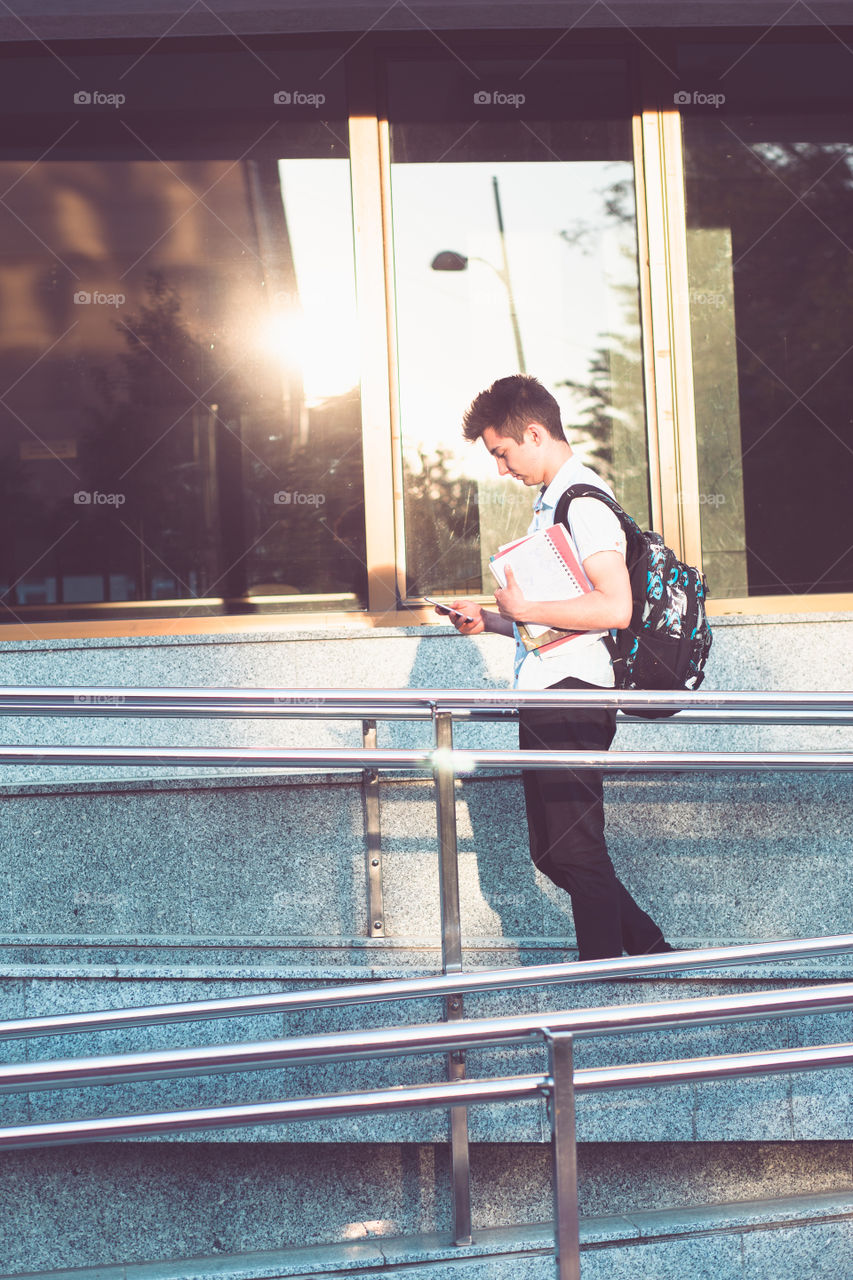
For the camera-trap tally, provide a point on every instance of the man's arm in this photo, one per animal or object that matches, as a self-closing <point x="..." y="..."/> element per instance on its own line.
<point x="482" y="619"/>
<point x="494" y="622"/>
<point x="608" y="605"/>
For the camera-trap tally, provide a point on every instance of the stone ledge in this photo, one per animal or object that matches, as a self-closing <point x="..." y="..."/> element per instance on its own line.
<point x="285" y="634"/>
<point x="318" y="959"/>
<point x="354" y="629"/>
<point x="191" y="781"/>
<point x="342" y="974"/>
<point x="374" y="1253"/>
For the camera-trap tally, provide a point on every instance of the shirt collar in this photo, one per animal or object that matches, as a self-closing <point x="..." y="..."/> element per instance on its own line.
<point x="550" y="495"/>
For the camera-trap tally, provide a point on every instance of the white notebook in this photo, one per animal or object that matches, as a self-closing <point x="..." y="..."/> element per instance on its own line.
<point x="547" y="567"/>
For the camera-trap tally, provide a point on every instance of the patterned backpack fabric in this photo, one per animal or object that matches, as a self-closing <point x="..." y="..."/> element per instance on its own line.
<point x="666" y="643"/>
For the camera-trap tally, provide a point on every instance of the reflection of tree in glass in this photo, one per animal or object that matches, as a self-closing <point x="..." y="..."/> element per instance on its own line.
<point x="443" y="523"/>
<point x="790" y="209"/>
<point x="152" y="442"/>
<point x="312" y="539"/>
<point x="221" y="496"/>
<point x="609" y="425"/>
<point x="611" y="405"/>
<point x="593" y="423"/>
<point x="618" y="208"/>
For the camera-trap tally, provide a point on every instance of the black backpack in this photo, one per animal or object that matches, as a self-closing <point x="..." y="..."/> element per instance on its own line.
<point x="666" y="643"/>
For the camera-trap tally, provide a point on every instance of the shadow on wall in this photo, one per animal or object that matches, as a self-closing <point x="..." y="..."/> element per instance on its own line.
<point x="502" y="896"/>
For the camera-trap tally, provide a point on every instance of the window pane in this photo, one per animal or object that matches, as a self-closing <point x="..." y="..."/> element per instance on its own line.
<point x="769" y="178"/>
<point x="514" y="249"/>
<point x="181" y="420"/>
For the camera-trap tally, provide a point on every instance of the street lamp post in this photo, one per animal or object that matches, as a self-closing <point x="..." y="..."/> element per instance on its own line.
<point x="451" y="260"/>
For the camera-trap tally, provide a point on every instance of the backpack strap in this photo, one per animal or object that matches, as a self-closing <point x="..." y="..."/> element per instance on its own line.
<point x="632" y="532"/>
<point x="561" y="511"/>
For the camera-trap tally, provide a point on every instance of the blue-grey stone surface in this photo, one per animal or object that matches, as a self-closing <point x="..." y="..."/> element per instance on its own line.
<point x="710" y="1258"/>
<point x="13" y="1107"/>
<point x="125" y="887"/>
<point x="713" y="861"/>
<point x="712" y="857"/>
<point x="212" y="862"/>
<point x="134" y="1202"/>
<point x="822" y="1252"/>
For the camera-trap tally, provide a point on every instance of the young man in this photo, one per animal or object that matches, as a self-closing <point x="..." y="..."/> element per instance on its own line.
<point x="518" y="420"/>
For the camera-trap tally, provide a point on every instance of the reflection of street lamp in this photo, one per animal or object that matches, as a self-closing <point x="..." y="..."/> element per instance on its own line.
<point x="450" y="260"/>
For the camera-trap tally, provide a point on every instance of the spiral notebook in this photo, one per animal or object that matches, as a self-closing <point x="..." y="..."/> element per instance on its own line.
<point x="546" y="567"/>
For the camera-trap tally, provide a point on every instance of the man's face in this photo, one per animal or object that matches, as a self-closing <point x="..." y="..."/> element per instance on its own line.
<point x="522" y="461"/>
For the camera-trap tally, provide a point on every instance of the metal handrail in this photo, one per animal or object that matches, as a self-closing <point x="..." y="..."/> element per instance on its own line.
<point x="116" y="701"/>
<point x="460" y="984"/>
<point x="440" y="1037"/>
<point x="438" y="1095"/>
<point x="429" y="759"/>
<point x="559" y="1086"/>
<point x="464" y="1092"/>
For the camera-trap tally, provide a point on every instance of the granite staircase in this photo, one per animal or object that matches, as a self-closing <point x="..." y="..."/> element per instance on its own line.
<point x="132" y="893"/>
<point x="132" y="887"/>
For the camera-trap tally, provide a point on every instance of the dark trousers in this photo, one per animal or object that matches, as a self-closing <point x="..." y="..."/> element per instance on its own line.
<point x="565" y="819"/>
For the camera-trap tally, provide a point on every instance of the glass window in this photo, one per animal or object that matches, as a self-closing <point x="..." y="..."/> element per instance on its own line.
<point x="514" y="250"/>
<point x="769" y="183"/>
<point x="180" y="423"/>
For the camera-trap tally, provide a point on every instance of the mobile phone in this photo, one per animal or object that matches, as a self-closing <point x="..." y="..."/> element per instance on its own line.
<point x="445" y="608"/>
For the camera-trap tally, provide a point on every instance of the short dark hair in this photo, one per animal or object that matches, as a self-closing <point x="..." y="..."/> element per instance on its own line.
<point x="510" y="405"/>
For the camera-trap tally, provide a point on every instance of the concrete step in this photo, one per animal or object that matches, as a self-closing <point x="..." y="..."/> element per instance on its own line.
<point x="785" y="1238"/>
<point x="712" y="857"/>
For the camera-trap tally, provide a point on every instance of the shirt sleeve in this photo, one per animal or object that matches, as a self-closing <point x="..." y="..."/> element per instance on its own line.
<point x="594" y="527"/>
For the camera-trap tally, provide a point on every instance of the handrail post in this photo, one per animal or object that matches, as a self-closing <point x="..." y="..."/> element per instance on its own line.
<point x="564" y="1156"/>
<point x="448" y="869"/>
<point x="451" y="955"/>
<point x="373" y="840"/>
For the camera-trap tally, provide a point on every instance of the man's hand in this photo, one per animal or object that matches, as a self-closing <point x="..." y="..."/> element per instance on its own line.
<point x="511" y="601"/>
<point x="468" y="609"/>
<point x="480" y="619"/>
<point x="608" y="605"/>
